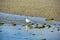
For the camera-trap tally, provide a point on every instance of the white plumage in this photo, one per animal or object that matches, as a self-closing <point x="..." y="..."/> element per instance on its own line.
<point x="27" y="20"/>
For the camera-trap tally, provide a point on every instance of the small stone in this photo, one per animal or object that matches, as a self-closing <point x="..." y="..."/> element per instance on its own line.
<point x="58" y="29"/>
<point x="43" y="23"/>
<point x="43" y="39"/>
<point x="23" y="25"/>
<point x="32" y="23"/>
<point x="0" y="30"/>
<point x="41" y="26"/>
<point x="36" y="26"/>
<point x="1" y="24"/>
<point x="13" y="24"/>
<point x="51" y="31"/>
<point x="19" y="28"/>
<point x="54" y="24"/>
<point x="49" y="19"/>
<point x="33" y="34"/>
<point x="49" y="26"/>
<point x="59" y="24"/>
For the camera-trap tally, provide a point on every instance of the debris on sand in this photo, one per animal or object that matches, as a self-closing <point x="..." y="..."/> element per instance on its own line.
<point x="13" y="24"/>
<point x="0" y="30"/>
<point x="49" y="19"/>
<point x="43" y="39"/>
<point x="32" y="23"/>
<point x="33" y="34"/>
<point x="1" y="24"/>
<point x="58" y="29"/>
<point x="59" y="24"/>
<point x="43" y="23"/>
<point x="36" y="26"/>
<point x="19" y="28"/>
<point x="51" y="31"/>
<point x="42" y="26"/>
<point x="49" y="26"/>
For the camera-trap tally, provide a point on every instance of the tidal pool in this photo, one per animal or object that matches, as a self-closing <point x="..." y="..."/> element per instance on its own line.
<point x="13" y="28"/>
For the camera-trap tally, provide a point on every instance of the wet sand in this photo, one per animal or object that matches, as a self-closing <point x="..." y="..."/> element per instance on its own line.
<point x="38" y="8"/>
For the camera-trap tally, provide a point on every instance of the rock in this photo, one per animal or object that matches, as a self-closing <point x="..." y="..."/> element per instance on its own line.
<point x="49" y="26"/>
<point x="43" y="39"/>
<point x="19" y="28"/>
<point x="49" y="19"/>
<point x="43" y="26"/>
<point x="13" y="24"/>
<point x="33" y="34"/>
<point x="32" y="23"/>
<point x="1" y="24"/>
<point x="0" y="30"/>
<point x="58" y="29"/>
<point x="51" y="31"/>
<point x="36" y="26"/>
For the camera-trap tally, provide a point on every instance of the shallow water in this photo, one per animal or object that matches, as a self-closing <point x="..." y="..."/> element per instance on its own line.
<point x="18" y="32"/>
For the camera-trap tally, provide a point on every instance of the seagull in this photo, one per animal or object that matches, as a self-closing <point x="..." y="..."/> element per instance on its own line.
<point x="27" y="21"/>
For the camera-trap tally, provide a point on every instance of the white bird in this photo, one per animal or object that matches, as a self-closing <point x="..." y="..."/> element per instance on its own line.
<point x="27" y="21"/>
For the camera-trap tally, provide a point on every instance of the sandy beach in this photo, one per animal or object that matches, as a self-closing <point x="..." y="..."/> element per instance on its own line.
<point x="38" y="8"/>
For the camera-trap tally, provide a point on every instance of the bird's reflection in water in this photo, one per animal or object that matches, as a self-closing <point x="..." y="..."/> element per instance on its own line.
<point x="28" y="26"/>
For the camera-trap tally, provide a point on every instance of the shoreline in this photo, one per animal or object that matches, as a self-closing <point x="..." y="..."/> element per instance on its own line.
<point x="44" y="16"/>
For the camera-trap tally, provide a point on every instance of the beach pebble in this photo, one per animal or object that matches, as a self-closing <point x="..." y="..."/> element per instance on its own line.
<point x="41" y="26"/>
<point x="49" y="19"/>
<point x="0" y="30"/>
<point x="49" y="26"/>
<point x="43" y="39"/>
<point x="58" y="29"/>
<point x="13" y="24"/>
<point x="33" y="34"/>
<point x="19" y="28"/>
<point x="1" y="24"/>
<point x="51" y="31"/>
